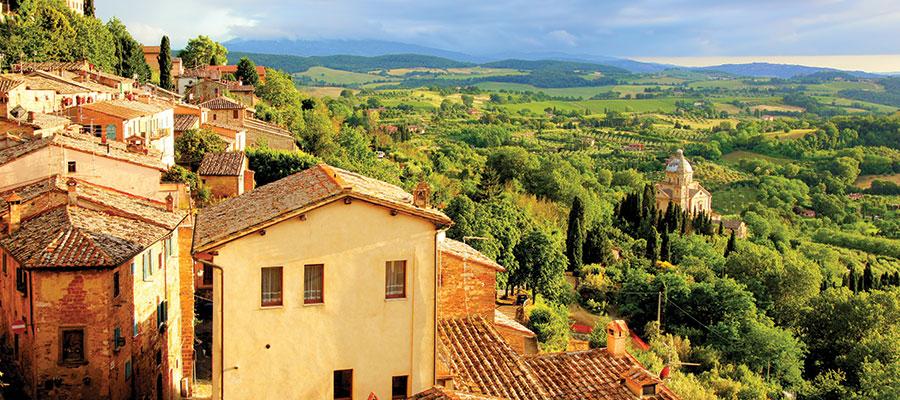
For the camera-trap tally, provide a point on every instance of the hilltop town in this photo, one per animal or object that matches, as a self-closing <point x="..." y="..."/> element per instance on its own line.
<point x="195" y="225"/>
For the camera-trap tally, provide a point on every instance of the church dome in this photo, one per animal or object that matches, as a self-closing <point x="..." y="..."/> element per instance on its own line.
<point x="679" y="164"/>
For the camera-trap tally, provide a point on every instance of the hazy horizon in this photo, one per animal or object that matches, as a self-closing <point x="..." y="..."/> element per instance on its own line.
<point x="637" y="29"/>
<point x="875" y="63"/>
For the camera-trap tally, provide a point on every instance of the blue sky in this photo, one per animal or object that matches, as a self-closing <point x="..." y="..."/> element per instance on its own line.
<point x="632" y="28"/>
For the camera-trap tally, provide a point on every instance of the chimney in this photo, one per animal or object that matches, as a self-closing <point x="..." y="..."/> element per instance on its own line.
<point x="170" y="203"/>
<point x="72" y="189"/>
<point x="422" y="195"/>
<point x="31" y="116"/>
<point x="616" y="338"/>
<point x="15" y="212"/>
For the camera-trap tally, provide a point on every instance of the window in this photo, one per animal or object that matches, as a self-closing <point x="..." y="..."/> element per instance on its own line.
<point x="73" y="167"/>
<point x="134" y="332"/>
<point x="22" y="281"/>
<point x="214" y="117"/>
<point x="207" y="275"/>
<point x="314" y="284"/>
<point x="4" y="264"/>
<point x="72" y="346"/>
<point x="146" y="262"/>
<point x="399" y="387"/>
<point x="162" y="313"/>
<point x="116" y="288"/>
<point x="395" y="279"/>
<point x="118" y="339"/>
<point x="128" y="369"/>
<point x="271" y="286"/>
<point x="343" y="384"/>
<point x="234" y="114"/>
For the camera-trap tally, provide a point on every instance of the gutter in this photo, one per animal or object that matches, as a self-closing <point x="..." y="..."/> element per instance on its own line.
<point x="221" y="325"/>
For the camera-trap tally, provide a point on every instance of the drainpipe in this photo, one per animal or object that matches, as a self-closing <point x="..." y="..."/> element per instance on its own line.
<point x="437" y="274"/>
<point x="221" y="326"/>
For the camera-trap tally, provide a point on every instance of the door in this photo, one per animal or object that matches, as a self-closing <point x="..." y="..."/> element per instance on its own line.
<point x="111" y="132"/>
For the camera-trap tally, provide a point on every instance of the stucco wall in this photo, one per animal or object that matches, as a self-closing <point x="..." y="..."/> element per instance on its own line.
<point x="356" y="327"/>
<point x="52" y="160"/>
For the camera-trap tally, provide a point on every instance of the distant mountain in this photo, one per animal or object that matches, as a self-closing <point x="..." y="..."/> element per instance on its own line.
<point x="784" y="71"/>
<point x="374" y="48"/>
<point x="333" y="47"/>
<point x="292" y="64"/>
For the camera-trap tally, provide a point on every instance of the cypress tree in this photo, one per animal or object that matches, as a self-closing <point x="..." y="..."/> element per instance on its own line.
<point x="665" y="254"/>
<point x="729" y="248"/>
<point x="721" y="228"/>
<point x="868" y="278"/>
<point x="652" y="246"/>
<point x="165" y="64"/>
<point x="575" y="236"/>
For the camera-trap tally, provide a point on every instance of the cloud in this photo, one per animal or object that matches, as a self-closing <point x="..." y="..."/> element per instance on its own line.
<point x="609" y="27"/>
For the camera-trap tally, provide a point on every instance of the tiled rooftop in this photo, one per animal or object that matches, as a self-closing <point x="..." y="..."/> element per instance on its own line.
<point x="127" y="109"/>
<point x="84" y="143"/>
<point x="440" y="393"/>
<point x="481" y="362"/>
<point x="468" y="253"/>
<point x="184" y="122"/>
<point x="306" y="189"/>
<point x="222" y="103"/>
<point x="104" y="228"/>
<point x="222" y="164"/>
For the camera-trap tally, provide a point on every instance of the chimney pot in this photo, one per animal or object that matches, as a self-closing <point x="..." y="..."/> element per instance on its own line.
<point x="170" y="203"/>
<point x="15" y="212"/>
<point x="72" y="189"/>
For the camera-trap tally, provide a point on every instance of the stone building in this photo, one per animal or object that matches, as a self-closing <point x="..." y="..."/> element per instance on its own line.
<point x="93" y="275"/>
<point x="680" y="188"/>
<point x="227" y="174"/>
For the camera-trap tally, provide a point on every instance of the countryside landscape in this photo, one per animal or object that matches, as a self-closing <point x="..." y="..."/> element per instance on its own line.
<point x="365" y="219"/>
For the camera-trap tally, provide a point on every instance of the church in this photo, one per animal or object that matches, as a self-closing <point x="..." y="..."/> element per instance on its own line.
<point x="680" y="188"/>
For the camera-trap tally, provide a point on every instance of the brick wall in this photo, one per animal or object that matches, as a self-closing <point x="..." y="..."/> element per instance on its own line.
<point x="186" y="272"/>
<point x="466" y="288"/>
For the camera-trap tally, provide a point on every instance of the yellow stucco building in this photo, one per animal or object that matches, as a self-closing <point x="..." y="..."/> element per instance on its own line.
<point x="324" y="288"/>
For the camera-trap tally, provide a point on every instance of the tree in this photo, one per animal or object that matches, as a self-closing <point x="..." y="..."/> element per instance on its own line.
<point x="272" y="165"/>
<point x="319" y="133"/>
<point x="129" y="53"/>
<point x="246" y="72"/>
<point x="202" y="51"/>
<point x="575" y="235"/>
<point x="665" y="253"/>
<point x="652" y="252"/>
<point x="730" y="247"/>
<point x="542" y="258"/>
<point x="192" y="145"/>
<point x="89" y="10"/>
<point x="165" y="64"/>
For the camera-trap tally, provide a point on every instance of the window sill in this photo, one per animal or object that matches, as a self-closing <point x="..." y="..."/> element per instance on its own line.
<point x="72" y="364"/>
<point x="319" y="304"/>
<point x="272" y="307"/>
<point x="394" y="299"/>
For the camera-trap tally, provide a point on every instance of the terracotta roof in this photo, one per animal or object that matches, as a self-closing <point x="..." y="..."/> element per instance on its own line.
<point x="51" y="66"/>
<point x="299" y="192"/>
<point x="8" y="83"/>
<point x="185" y="122"/>
<point x="39" y="80"/>
<point x="259" y="132"/>
<point x="588" y="375"/>
<point x="126" y="109"/>
<point x="222" y="103"/>
<point x="222" y="164"/>
<point x="466" y="252"/>
<point x="440" y="393"/>
<point x="481" y="362"/>
<point x="501" y="319"/>
<point x="106" y="233"/>
<point x="83" y="143"/>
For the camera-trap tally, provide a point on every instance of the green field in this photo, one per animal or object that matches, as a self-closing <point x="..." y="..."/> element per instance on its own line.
<point x="865" y="181"/>
<point x="793" y="134"/>
<point x="598" y="106"/>
<point x="733" y="200"/>
<point x="338" y="77"/>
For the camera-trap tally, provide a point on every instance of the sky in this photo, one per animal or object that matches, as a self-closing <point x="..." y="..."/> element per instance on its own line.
<point x="645" y="29"/>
